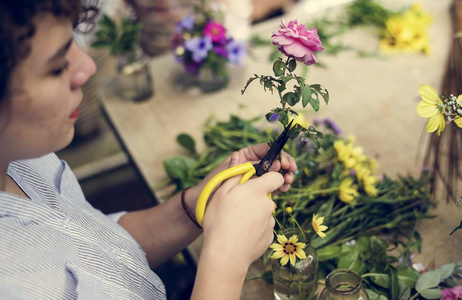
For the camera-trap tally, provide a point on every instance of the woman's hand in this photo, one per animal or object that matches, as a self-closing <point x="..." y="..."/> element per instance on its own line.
<point x="238" y="226"/>
<point x="254" y="154"/>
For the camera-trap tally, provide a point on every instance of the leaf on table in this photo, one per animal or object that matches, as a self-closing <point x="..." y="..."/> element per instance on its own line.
<point x="434" y="293"/>
<point x="187" y="142"/>
<point x="427" y="280"/>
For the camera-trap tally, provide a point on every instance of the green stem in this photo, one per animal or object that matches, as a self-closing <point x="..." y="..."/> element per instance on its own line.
<point x="415" y="296"/>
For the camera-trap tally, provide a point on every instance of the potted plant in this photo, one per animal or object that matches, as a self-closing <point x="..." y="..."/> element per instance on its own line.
<point x="122" y="41"/>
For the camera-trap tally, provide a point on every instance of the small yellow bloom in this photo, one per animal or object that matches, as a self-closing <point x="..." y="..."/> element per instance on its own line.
<point x="369" y="185"/>
<point x="431" y="107"/>
<point x="288" y="249"/>
<point x="458" y="121"/>
<point x="317" y="225"/>
<point x="300" y="119"/>
<point x="289" y="210"/>
<point x="347" y="192"/>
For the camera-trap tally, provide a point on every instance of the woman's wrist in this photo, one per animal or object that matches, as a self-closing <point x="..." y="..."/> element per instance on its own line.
<point x="189" y="197"/>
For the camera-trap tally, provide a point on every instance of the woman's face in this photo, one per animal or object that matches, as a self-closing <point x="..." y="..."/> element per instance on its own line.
<point x="39" y="112"/>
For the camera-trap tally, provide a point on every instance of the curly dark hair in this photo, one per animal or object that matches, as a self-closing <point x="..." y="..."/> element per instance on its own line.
<point x="17" y="27"/>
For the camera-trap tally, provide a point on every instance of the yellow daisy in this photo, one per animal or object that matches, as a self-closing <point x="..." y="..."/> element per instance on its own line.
<point x="369" y="185"/>
<point x="431" y="107"/>
<point x="288" y="249"/>
<point x="347" y="192"/>
<point x="317" y="225"/>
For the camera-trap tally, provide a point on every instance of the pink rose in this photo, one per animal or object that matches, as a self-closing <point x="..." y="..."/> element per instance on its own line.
<point x="452" y="294"/>
<point x="295" y="41"/>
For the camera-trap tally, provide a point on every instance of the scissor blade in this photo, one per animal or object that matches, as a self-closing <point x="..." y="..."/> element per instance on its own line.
<point x="267" y="161"/>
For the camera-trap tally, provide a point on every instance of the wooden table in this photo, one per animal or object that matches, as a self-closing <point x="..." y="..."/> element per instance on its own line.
<point x="372" y="98"/>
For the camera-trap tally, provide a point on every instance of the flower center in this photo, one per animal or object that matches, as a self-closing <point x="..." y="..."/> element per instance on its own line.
<point x="315" y="226"/>
<point x="215" y="31"/>
<point x="289" y="248"/>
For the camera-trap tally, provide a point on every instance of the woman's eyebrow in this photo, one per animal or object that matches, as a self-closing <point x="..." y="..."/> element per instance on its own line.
<point x="62" y="51"/>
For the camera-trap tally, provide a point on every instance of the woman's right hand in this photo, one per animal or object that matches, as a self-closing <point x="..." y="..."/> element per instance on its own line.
<point x="239" y="223"/>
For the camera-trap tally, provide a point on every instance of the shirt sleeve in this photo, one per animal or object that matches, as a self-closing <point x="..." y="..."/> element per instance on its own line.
<point x="116" y="216"/>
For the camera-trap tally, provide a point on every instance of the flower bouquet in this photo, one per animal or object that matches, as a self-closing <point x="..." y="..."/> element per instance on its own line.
<point x="202" y="46"/>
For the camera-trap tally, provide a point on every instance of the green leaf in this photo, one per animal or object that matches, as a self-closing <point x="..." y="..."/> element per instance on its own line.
<point x="315" y="101"/>
<point x="405" y="293"/>
<point x="393" y="285"/>
<point x="279" y="67"/>
<point x="329" y="252"/>
<point x="283" y="118"/>
<point x="187" y="142"/>
<point x="291" y="98"/>
<point x="306" y="94"/>
<point x="292" y="65"/>
<point x="427" y="280"/>
<point x="374" y="296"/>
<point x="322" y="91"/>
<point x="407" y="277"/>
<point x="434" y="293"/>
<point x="446" y="270"/>
<point x="178" y="167"/>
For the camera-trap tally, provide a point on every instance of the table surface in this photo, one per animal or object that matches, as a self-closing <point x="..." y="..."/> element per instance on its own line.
<point x="373" y="99"/>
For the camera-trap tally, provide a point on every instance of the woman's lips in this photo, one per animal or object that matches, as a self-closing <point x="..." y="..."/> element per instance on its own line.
<point x="74" y="114"/>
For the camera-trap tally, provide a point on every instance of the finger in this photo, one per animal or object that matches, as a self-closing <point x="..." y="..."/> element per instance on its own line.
<point x="268" y="182"/>
<point x="235" y="160"/>
<point x="289" y="178"/>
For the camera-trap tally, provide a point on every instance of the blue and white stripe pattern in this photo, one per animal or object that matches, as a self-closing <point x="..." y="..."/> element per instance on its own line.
<point x="57" y="246"/>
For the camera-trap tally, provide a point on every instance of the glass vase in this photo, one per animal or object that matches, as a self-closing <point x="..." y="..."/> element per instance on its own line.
<point x="134" y="77"/>
<point x="212" y="79"/>
<point x="343" y="284"/>
<point x="299" y="281"/>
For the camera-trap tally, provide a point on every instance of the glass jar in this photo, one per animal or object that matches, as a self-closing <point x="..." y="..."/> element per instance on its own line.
<point x="299" y="281"/>
<point x="134" y="77"/>
<point x="343" y="284"/>
<point x="213" y="79"/>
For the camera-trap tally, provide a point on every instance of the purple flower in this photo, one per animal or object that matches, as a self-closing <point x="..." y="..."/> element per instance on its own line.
<point x="274" y="117"/>
<point x="236" y="52"/>
<point x="199" y="47"/>
<point x="331" y="124"/>
<point x="220" y="50"/>
<point x="185" y="23"/>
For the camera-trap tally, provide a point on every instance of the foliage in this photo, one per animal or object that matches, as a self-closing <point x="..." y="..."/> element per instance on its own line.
<point x="118" y="38"/>
<point x="375" y="223"/>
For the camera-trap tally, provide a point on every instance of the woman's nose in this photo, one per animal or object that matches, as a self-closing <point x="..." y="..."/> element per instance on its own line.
<point x="83" y="66"/>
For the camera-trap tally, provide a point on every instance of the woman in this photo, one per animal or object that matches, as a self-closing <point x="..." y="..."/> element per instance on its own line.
<point x="54" y="245"/>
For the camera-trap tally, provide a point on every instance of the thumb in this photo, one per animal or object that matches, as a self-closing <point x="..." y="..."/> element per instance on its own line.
<point x="234" y="159"/>
<point x="268" y="182"/>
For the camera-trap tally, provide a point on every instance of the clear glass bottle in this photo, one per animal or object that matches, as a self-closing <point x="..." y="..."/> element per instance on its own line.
<point x="299" y="281"/>
<point x="135" y="81"/>
<point x="344" y="284"/>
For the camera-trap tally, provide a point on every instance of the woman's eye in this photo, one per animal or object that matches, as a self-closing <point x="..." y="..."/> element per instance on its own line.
<point x="59" y="71"/>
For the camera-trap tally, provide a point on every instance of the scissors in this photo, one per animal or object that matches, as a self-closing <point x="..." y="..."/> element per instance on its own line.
<point x="246" y="170"/>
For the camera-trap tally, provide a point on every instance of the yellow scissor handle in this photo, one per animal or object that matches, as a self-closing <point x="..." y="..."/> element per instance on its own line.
<point x="247" y="170"/>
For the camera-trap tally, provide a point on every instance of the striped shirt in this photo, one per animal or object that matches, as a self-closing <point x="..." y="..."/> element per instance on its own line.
<point x="55" y="245"/>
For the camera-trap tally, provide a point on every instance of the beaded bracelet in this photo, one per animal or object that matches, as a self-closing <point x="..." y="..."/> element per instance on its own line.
<point x="186" y="209"/>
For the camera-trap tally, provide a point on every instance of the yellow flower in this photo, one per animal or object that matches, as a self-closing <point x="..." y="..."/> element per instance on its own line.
<point x="369" y="185"/>
<point x="289" y="210"/>
<point x="347" y="192"/>
<point x="300" y="119"/>
<point x="431" y="107"/>
<point x="318" y="227"/>
<point x="458" y="121"/>
<point x="288" y="249"/>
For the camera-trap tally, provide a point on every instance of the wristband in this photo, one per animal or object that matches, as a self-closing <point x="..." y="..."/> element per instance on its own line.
<point x="186" y="209"/>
